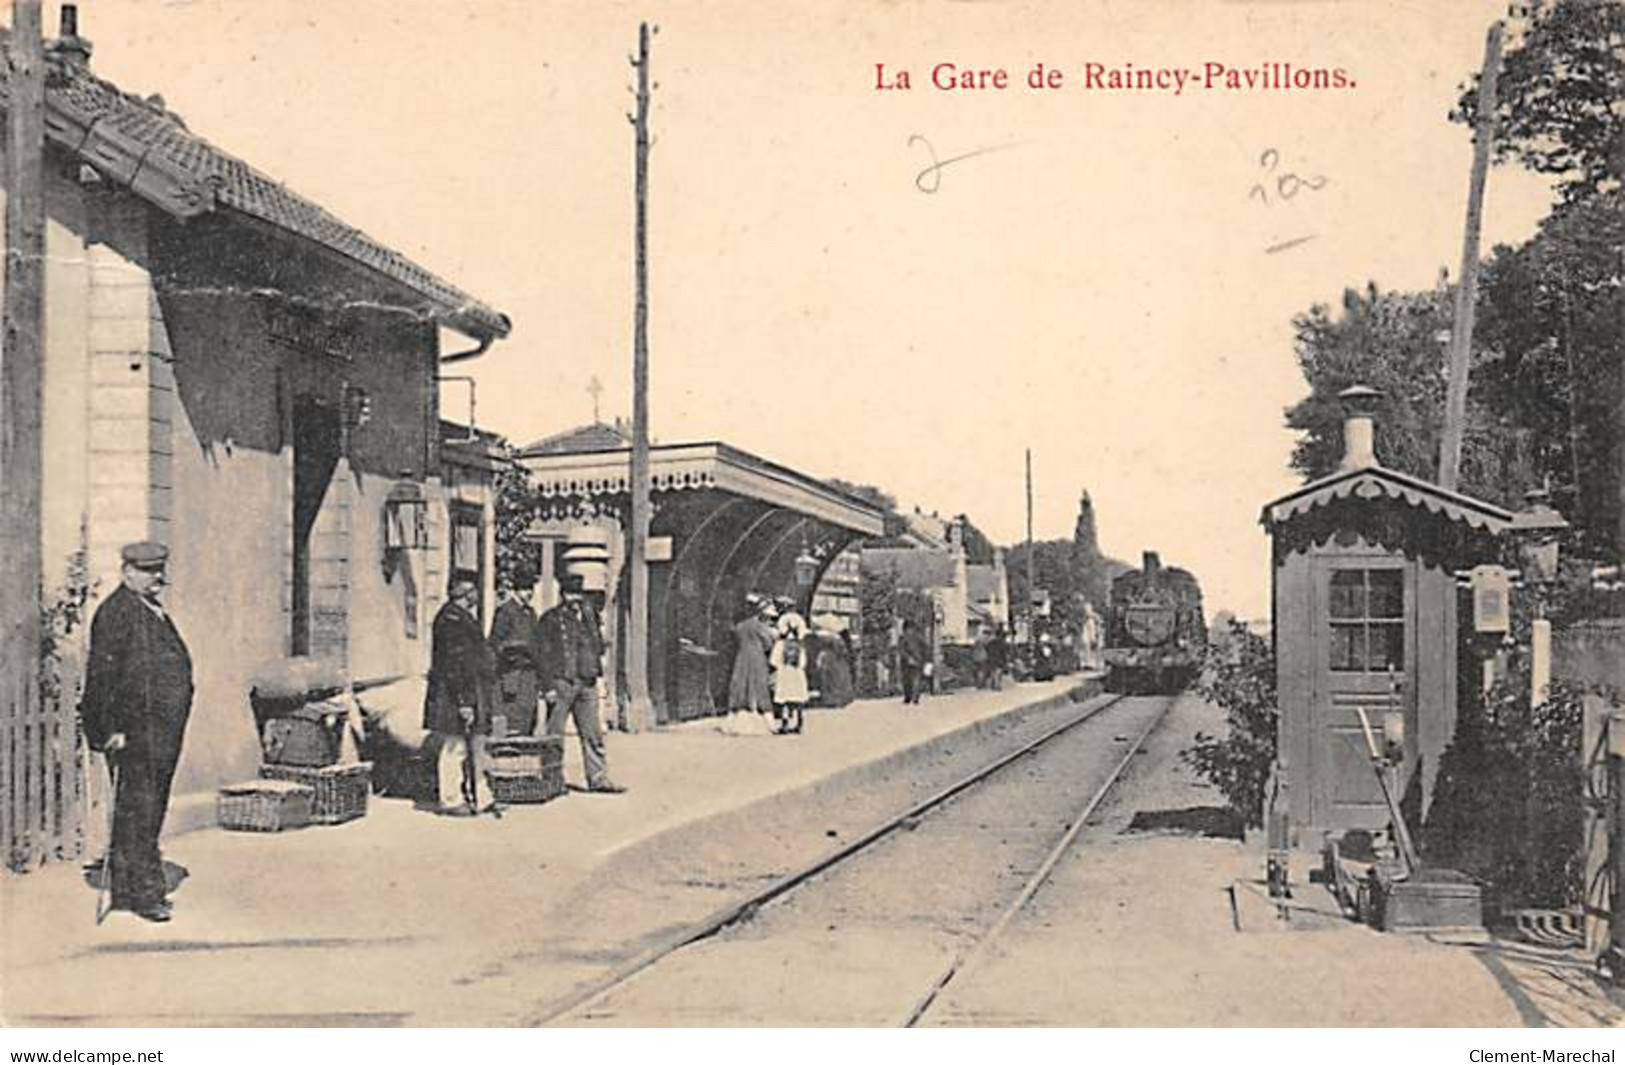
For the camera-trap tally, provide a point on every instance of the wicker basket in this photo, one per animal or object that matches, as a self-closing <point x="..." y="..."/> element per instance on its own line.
<point x="524" y="786"/>
<point x="525" y="754"/>
<point x="341" y="790"/>
<point x="264" y="806"/>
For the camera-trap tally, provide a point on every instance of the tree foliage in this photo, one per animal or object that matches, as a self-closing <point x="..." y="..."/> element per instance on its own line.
<point x="516" y="506"/>
<point x="1560" y="96"/>
<point x="1545" y="389"/>
<point x="1240" y="680"/>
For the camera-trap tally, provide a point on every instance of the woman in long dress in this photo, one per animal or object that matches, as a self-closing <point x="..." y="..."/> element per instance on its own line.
<point x="834" y="674"/>
<point x="789" y="662"/>
<point x="750" y="693"/>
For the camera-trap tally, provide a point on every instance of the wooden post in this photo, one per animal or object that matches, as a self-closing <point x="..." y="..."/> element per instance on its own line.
<point x="640" y="711"/>
<point x="1461" y="333"/>
<point x="1032" y="590"/>
<point x="22" y="813"/>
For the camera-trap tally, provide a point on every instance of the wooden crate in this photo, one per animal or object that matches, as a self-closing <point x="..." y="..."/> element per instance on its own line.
<point x="264" y="806"/>
<point x="340" y="790"/>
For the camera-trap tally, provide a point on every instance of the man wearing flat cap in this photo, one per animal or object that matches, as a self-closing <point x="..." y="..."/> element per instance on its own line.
<point x="138" y="695"/>
<point x="457" y="705"/>
<point x="572" y="652"/>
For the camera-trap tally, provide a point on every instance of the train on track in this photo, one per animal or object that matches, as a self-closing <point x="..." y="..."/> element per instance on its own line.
<point x="1156" y="636"/>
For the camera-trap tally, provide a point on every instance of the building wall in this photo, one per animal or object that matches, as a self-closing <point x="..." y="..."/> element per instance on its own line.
<point x="168" y="416"/>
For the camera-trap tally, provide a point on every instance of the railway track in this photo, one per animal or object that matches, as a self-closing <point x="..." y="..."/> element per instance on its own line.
<point x="873" y="931"/>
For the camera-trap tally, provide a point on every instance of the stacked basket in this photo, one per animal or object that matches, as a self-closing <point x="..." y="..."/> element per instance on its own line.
<point x="526" y="769"/>
<point x="301" y="729"/>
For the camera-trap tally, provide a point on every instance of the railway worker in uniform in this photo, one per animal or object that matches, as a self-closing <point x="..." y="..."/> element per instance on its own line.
<point x="515" y="641"/>
<point x="913" y="654"/>
<point x="138" y="695"/>
<point x="572" y="653"/>
<point x="457" y="706"/>
<point x="750" y="690"/>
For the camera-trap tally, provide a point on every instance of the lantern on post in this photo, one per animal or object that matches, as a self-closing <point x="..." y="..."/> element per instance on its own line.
<point x="1538" y="528"/>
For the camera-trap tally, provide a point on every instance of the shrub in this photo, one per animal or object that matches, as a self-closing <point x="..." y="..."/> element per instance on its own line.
<point x="1240" y="679"/>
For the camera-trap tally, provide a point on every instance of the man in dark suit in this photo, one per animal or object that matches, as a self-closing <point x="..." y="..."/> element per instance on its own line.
<point x="913" y="653"/>
<point x="572" y="660"/>
<point x="138" y="695"/>
<point x="515" y="641"/>
<point x="457" y="707"/>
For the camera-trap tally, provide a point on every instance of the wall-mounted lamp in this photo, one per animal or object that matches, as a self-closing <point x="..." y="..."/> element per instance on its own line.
<point x="406" y="518"/>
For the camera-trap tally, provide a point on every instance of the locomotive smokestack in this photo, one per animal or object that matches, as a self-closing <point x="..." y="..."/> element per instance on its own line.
<point x="1359" y="427"/>
<point x="1150" y="562"/>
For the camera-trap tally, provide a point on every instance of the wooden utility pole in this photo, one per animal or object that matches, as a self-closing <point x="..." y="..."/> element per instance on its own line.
<point x="1461" y="333"/>
<point x="20" y="451"/>
<point x="640" y="711"/>
<point x="1032" y="589"/>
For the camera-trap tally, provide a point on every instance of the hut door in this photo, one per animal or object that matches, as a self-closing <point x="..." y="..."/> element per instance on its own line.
<point x="1364" y="641"/>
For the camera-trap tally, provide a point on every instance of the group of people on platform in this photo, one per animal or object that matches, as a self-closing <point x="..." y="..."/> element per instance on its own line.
<point x="482" y="687"/>
<point x="990" y="655"/>
<point x="775" y="650"/>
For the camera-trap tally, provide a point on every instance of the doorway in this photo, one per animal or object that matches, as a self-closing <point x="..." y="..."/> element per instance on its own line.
<point x="315" y="457"/>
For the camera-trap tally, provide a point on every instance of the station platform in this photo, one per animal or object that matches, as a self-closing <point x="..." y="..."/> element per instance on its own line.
<point x="406" y="918"/>
<point x="366" y="922"/>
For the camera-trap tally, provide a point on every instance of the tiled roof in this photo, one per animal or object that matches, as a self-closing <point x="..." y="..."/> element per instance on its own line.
<point x="914" y="567"/>
<point x="141" y="145"/>
<point x="594" y="437"/>
<point x="983" y="582"/>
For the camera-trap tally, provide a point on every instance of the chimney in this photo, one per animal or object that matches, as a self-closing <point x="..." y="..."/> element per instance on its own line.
<point x="69" y="47"/>
<point x="1150" y="562"/>
<point x="1359" y="432"/>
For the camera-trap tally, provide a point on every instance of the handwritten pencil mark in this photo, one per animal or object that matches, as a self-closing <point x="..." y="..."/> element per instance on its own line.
<point x="1287" y="185"/>
<point x="1285" y="244"/>
<point x="929" y="180"/>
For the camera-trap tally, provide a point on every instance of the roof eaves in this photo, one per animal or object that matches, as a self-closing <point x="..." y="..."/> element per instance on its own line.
<point x="1370" y="482"/>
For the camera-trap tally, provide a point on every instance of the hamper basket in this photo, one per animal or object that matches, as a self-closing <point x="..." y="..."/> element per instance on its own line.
<point x="264" y="806"/>
<point x="525" y="786"/>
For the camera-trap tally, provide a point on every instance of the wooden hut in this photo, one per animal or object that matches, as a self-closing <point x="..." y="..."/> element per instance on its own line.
<point x="1365" y="616"/>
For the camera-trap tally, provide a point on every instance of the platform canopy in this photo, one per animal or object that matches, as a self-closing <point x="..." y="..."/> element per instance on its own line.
<point x="724" y="523"/>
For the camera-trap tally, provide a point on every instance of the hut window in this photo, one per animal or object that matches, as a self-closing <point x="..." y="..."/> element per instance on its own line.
<point x="1367" y="610"/>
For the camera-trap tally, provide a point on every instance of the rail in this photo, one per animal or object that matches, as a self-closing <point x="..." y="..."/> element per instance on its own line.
<point x="736" y="912"/>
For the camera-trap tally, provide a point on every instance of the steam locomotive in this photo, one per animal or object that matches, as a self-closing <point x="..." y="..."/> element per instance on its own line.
<point x="1155" y="633"/>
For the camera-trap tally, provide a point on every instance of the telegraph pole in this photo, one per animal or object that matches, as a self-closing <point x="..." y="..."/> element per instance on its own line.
<point x="20" y="449"/>
<point x="1032" y="589"/>
<point x="1461" y="333"/>
<point x="640" y="711"/>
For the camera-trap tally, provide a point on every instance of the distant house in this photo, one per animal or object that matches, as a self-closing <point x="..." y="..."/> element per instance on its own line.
<point x="235" y="372"/>
<point x="929" y="557"/>
<point x="989" y="595"/>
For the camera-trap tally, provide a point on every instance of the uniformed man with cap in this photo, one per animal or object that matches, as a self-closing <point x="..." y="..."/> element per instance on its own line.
<point x="138" y="695"/>
<point x="572" y="652"/>
<point x="457" y="704"/>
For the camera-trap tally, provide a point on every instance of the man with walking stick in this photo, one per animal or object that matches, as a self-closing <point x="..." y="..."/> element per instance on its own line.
<point x="457" y="707"/>
<point x="138" y="695"/>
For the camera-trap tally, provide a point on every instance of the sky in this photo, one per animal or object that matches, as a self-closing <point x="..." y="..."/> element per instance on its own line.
<point x="1093" y="280"/>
